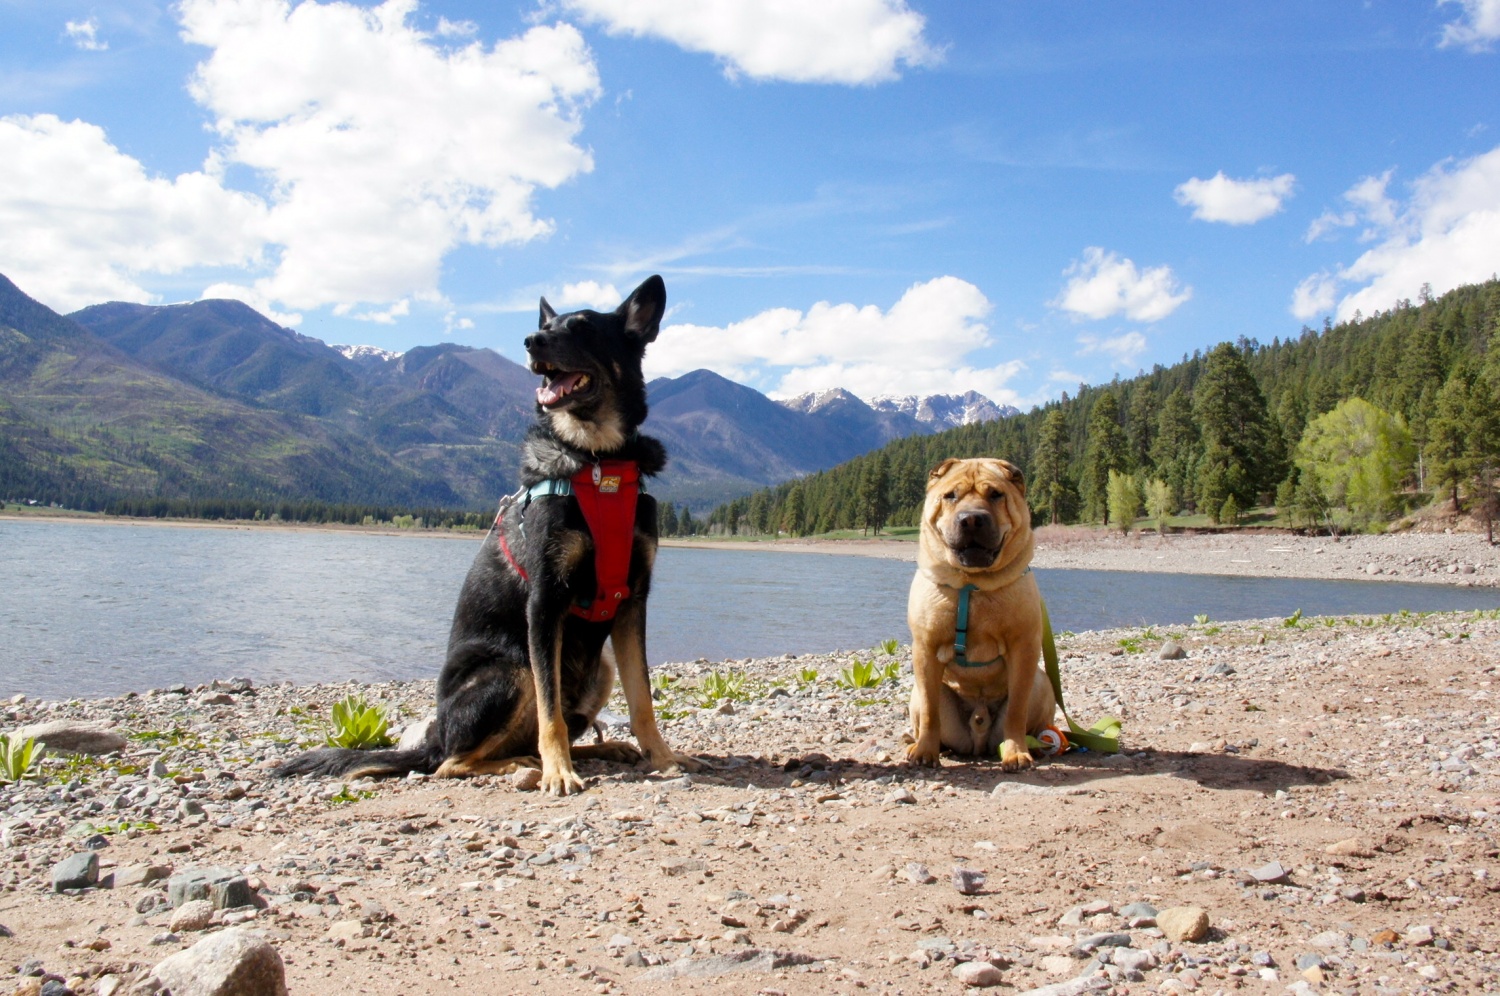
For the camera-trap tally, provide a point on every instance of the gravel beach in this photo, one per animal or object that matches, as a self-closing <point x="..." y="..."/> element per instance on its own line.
<point x="1302" y="805"/>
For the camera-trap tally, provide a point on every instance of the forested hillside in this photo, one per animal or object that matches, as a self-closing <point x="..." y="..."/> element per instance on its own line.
<point x="1244" y="424"/>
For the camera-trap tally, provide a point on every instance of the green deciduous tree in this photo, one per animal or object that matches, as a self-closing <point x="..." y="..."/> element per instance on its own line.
<point x="1159" y="504"/>
<point x="1359" y="454"/>
<point x="1124" y="499"/>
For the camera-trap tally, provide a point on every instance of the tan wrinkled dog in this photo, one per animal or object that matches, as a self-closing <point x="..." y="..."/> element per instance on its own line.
<point x="976" y="529"/>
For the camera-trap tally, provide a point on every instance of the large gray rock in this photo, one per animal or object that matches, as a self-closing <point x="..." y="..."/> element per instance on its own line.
<point x="415" y="734"/>
<point x="233" y="962"/>
<point x="713" y="966"/>
<point x="77" y="871"/>
<point x="74" y="736"/>
<point x="198" y="883"/>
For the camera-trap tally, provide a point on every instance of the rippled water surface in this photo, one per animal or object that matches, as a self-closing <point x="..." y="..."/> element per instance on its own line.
<point x="99" y="609"/>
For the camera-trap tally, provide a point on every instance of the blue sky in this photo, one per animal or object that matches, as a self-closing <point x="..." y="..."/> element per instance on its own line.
<point x="890" y="197"/>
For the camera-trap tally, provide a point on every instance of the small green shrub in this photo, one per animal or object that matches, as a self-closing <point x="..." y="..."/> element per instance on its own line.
<point x="889" y="647"/>
<point x="807" y="676"/>
<point x="1291" y="621"/>
<point x="18" y="757"/>
<point x="1201" y="619"/>
<point x="358" y="724"/>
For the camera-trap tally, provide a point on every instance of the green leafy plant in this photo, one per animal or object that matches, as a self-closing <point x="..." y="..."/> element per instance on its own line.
<point x="344" y="796"/>
<point x="1291" y="621"/>
<point x="358" y="724"/>
<point x="122" y="826"/>
<point x="1131" y="644"/>
<point x="716" y="688"/>
<point x="807" y="676"/>
<point x="889" y="647"/>
<point x="662" y="686"/>
<point x="1201" y="619"/>
<point x="864" y="674"/>
<point x="18" y="757"/>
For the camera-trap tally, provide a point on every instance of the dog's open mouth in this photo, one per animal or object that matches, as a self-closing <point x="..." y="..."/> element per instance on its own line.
<point x="559" y="385"/>
<point x="977" y="556"/>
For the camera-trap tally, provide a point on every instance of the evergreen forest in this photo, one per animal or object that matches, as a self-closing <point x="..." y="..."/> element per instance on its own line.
<point x="1351" y="426"/>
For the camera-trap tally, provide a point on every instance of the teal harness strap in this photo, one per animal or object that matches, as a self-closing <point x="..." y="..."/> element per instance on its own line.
<point x="961" y="637"/>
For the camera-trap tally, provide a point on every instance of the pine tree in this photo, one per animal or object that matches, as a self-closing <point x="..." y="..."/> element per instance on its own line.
<point x="1231" y="413"/>
<point x="1106" y="451"/>
<point x="1447" y="437"/>
<point x="793" y="512"/>
<point x="1051" y="464"/>
<point x="1174" y="452"/>
<point x="874" y="483"/>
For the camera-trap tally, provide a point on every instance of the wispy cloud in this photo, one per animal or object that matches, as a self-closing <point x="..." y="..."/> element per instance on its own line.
<point x="1477" y="29"/>
<point x="85" y="35"/>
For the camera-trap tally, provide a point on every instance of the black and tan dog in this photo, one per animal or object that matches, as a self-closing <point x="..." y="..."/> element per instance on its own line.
<point x="566" y="568"/>
<point x="976" y="533"/>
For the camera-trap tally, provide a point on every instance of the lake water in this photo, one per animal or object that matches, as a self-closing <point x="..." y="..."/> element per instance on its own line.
<point x="94" y="609"/>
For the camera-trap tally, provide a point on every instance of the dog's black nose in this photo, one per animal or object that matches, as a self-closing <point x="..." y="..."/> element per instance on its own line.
<point x="529" y="341"/>
<point x="973" y="520"/>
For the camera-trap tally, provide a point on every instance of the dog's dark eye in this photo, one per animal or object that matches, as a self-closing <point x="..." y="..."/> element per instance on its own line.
<point x="951" y="496"/>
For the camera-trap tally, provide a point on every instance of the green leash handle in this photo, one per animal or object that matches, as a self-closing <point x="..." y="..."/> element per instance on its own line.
<point x="1103" y="736"/>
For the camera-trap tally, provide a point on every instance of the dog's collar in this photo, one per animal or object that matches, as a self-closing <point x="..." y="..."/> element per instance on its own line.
<point x="961" y="634"/>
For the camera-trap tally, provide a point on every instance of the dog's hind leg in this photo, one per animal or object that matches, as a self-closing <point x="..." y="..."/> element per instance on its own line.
<point x="628" y="639"/>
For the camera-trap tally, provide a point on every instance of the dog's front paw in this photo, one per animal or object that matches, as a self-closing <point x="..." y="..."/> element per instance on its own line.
<point x="561" y="781"/>
<point x="670" y="763"/>
<point x="922" y="754"/>
<point x="1014" y="756"/>
<point x="617" y="751"/>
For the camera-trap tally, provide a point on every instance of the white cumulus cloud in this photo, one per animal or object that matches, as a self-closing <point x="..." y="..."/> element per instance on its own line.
<point x="826" y="41"/>
<point x="921" y="345"/>
<point x="1103" y="284"/>
<point x="1447" y="233"/>
<point x="386" y="150"/>
<point x="80" y="220"/>
<point x="376" y="149"/>
<point x="1477" y="30"/>
<point x="1235" y="202"/>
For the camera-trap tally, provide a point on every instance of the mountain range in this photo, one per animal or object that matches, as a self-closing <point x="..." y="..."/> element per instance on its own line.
<point x="213" y="400"/>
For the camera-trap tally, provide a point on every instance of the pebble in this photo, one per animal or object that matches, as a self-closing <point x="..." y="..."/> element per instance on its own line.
<point x="526" y="779"/>
<point x="1172" y="651"/>
<point x="195" y="914"/>
<point x="918" y="874"/>
<point x="967" y="881"/>
<point x="978" y="974"/>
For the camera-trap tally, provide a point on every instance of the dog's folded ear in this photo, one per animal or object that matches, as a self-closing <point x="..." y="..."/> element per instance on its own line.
<point x="941" y="469"/>
<point x="644" y="308"/>
<point x="547" y="315"/>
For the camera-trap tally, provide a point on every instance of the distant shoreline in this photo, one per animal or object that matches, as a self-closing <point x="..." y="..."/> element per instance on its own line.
<point x="98" y="519"/>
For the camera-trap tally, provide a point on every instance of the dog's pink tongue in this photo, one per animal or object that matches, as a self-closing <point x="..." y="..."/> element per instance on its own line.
<point x="556" y="389"/>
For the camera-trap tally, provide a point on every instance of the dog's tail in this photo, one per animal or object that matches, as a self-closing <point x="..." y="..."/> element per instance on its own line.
<point x="351" y="763"/>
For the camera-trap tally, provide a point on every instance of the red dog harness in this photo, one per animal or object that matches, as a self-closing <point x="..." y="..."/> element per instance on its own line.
<point x="606" y="493"/>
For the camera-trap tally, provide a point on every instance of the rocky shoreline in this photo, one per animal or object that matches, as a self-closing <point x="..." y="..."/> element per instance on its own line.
<point x="1304" y="805"/>
<point x="1464" y="559"/>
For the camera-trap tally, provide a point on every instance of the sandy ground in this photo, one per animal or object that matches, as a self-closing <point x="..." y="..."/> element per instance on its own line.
<point x="1327" y="793"/>
<point x="1451" y="558"/>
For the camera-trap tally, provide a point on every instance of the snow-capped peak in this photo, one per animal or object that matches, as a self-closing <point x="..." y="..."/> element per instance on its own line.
<point x="367" y="353"/>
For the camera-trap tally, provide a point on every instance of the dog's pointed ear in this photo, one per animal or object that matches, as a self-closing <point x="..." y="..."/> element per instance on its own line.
<point x="644" y="308"/>
<point x="547" y="315"/>
<point x="941" y="469"/>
